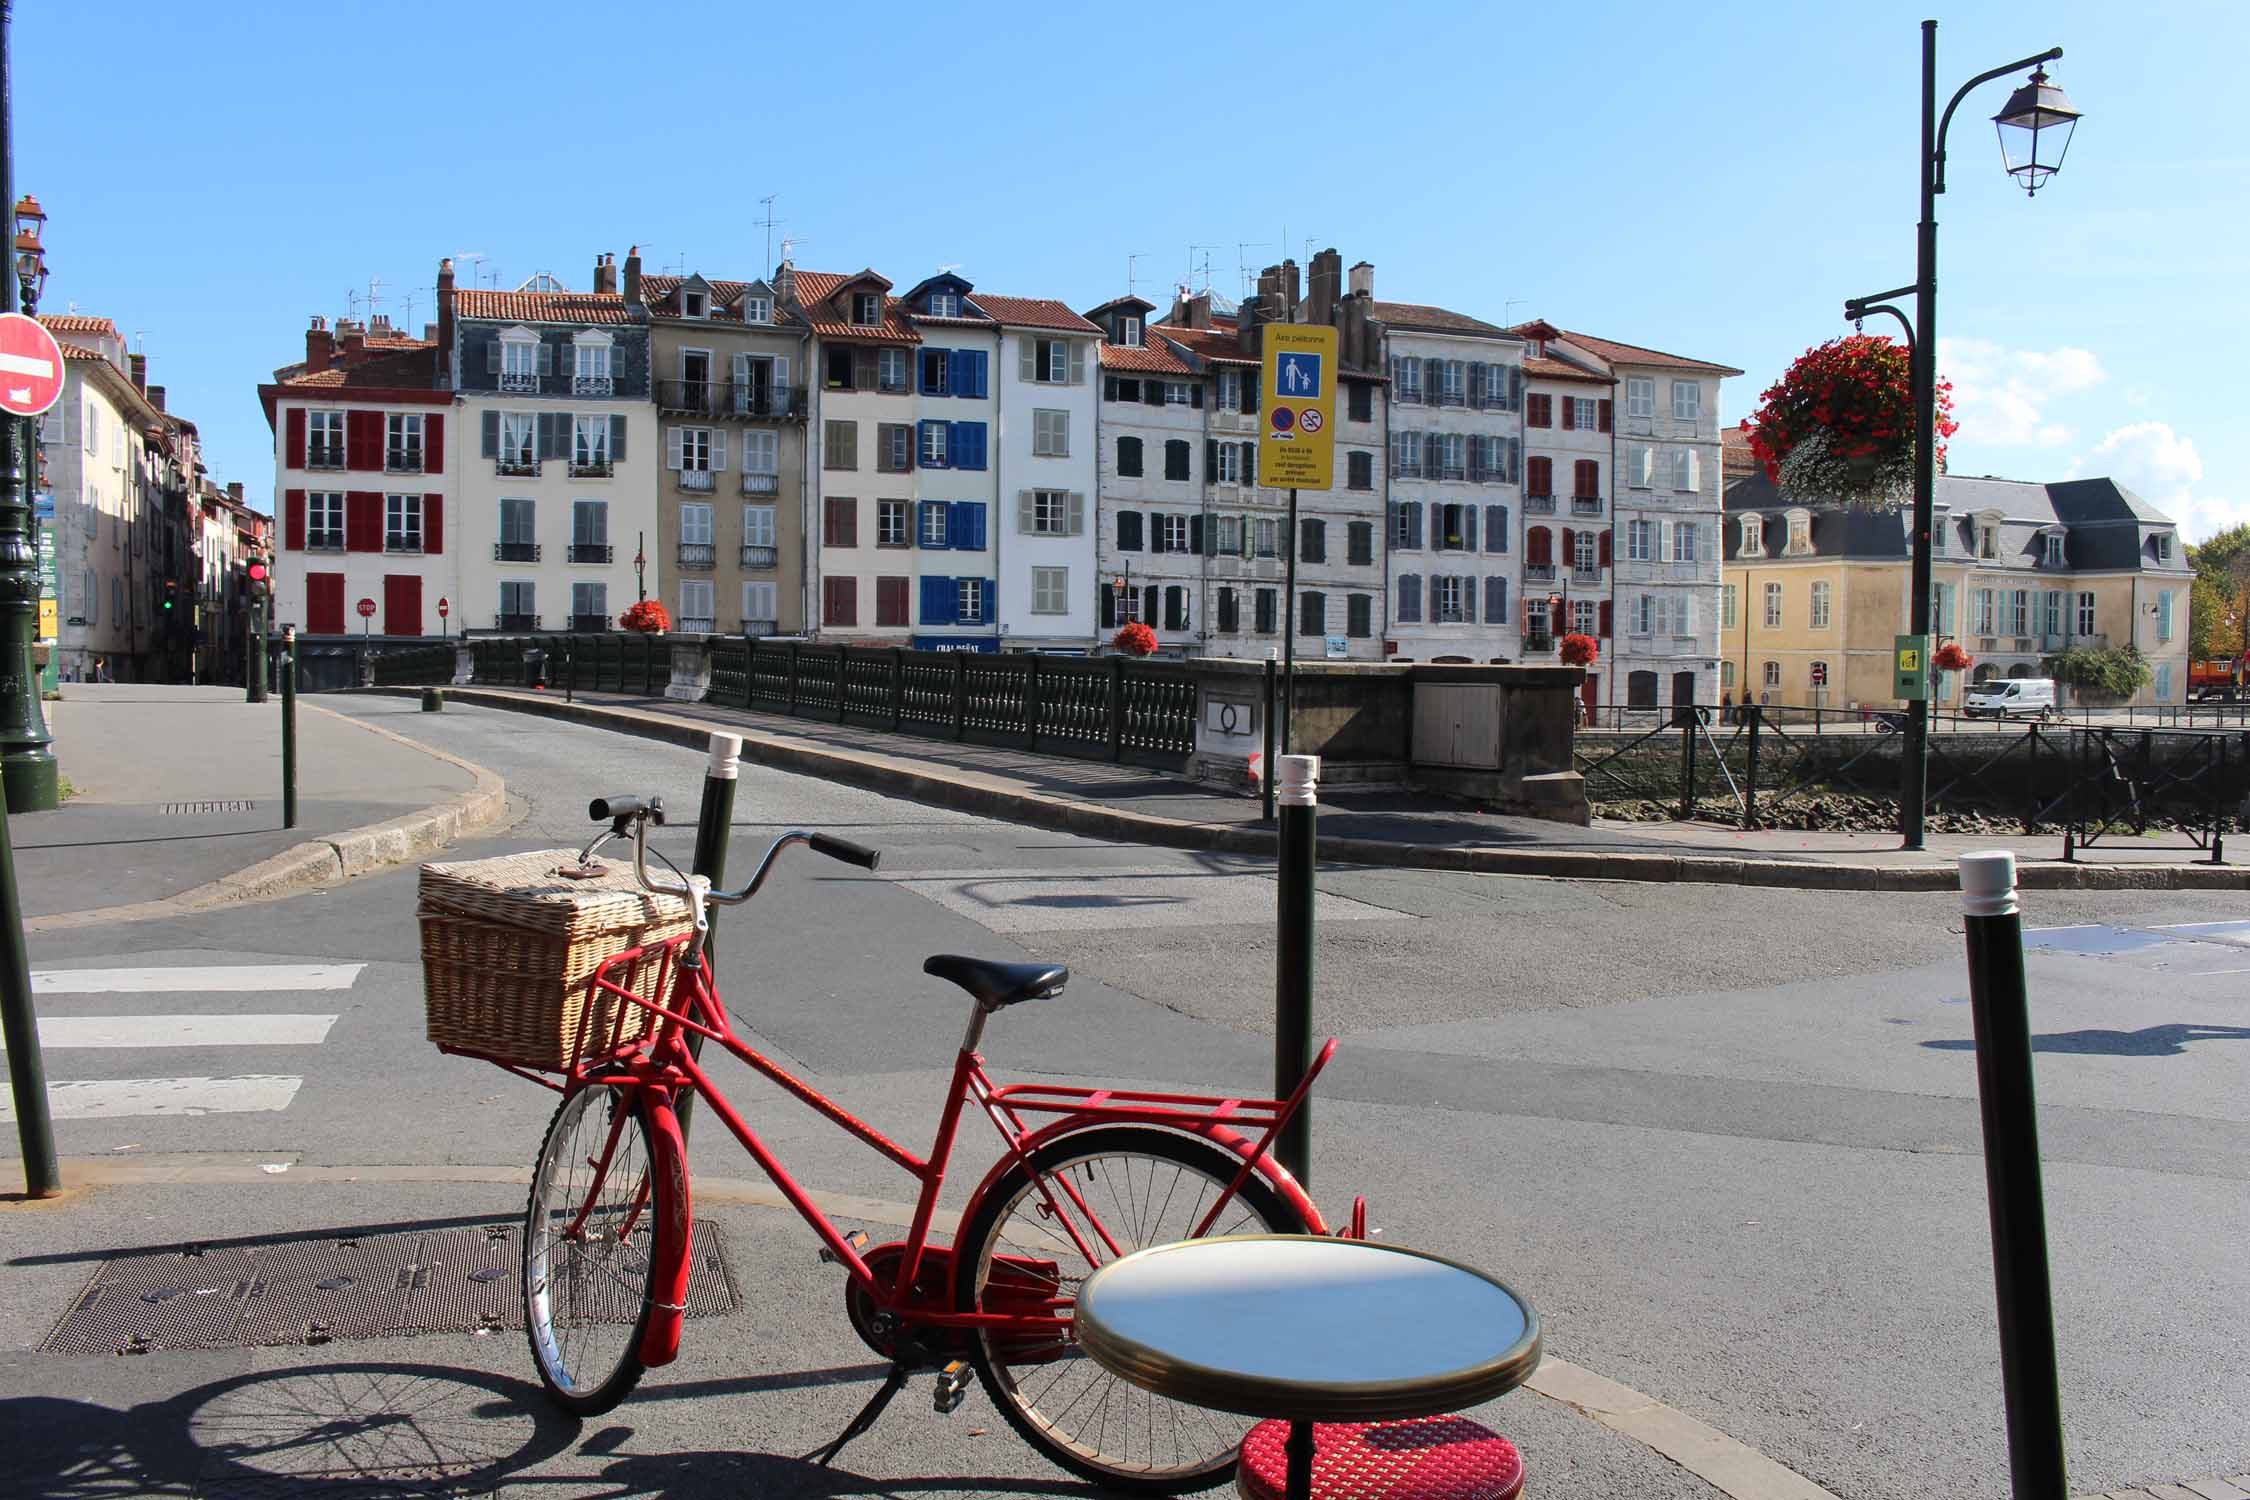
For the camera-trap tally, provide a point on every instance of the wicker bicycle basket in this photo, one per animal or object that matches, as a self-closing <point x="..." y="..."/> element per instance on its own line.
<point x="509" y="949"/>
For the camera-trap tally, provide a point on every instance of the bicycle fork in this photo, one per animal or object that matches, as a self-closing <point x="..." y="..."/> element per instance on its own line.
<point x="673" y="1228"/>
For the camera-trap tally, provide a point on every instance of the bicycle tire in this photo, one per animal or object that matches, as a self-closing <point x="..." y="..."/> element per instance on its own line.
<point x="1041" y="1417"/>
<point x="603" y="1296"/>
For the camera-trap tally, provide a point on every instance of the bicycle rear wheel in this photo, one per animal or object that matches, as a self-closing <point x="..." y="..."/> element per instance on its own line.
<point x="1146" y="1186"/>
<point x="588" y="1233"/>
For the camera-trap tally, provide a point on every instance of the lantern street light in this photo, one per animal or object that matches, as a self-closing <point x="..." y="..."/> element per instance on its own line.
<point x="2035" y="128"/>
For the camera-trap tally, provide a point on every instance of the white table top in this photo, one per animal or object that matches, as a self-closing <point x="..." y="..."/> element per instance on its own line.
<point x="1307" y="1327"/>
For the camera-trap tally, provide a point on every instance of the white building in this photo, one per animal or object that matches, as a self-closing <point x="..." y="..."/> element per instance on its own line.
<point x="559" y="492"/>
<point x="1155" y="537"/>
<point x="1569" y="459"/>
<point x="1047" y="389"/>
<point x="100" y="441"/>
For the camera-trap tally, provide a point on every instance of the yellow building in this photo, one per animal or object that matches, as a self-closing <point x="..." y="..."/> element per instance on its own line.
<point x="1814" y="594"/>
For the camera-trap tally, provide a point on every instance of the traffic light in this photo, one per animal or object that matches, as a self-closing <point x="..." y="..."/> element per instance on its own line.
<point x="258" y="578"/>
<point x="171" y="592"/>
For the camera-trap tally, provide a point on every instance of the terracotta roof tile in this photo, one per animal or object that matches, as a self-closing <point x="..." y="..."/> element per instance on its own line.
<point x="1634" y="354"/>
<point x="1541" y="368"/>
<point x="1420" y="315"/>
<point x="1032" y="312"/>
<point x="62" y="323"/>
<point x="78" y="351"/>
<point x="1154" y="358"/>
<point x="1216" y="345"/>
<point x="814" y="288"/>
<point x="541" y="307"/>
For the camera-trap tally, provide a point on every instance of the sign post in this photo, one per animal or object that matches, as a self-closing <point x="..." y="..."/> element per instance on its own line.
<point x="443" y="609"/>
<point x="1911" y="661"/>
<point x="31" y="379"/>
<point x="1296" y="450"/>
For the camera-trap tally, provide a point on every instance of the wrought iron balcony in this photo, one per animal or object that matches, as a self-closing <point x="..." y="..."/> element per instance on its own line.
<point x="755" y="556"/>
<point x="591" y="552"/>
<point x="591" y="468"/>
<point x="1538" y="572"/>
<point x="398" y="542"/>
<point x="593" y="385"/>
<point x="516" y="380"/>
<point x="517" y="465"/>
<point x="755" y="483"/>
<point x="770" y="402"/>
<point x="698" y="625"/>
<point x="324" y="541"/>
<point x="699" y="480"/>
<point x="515" y="552"/>
<point x="402" y="461"/>
<point x="1585" y="505"/>
<point x="1539" y="505"/>
<point x="589" y="622"/>
<point x="699" y="555"/>
<point x="324" y="458"/>
<point x="1538" y="644"/>
<point x="1584" y="575"/>
<point x="694" y="398"/>
<point x="760" y="627"/>
<point x="515" y="622"/>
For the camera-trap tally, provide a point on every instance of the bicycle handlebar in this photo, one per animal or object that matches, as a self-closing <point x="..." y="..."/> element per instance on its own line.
<point x="610" y="809"/>
<point x="639" y="812"/>
<point x="845" y="850"/>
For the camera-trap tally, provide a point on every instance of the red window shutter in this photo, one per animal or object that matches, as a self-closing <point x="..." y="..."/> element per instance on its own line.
<point x="1535" y="411"/>
<point x="433" y="526"/>
<point x="402" y="604"/>
<point x="1602" y="412"/>
<point x="1535" y="547"/>
<point x="433" y="443"/>
<point x="293" y="445"/>
<point x="363" y="521"/>
<point x="1569" y="547"/>
<point x="1542" y="476"/>
<point x="1605" y="554"/>
<point x="293" y="520"/>
<point x="1605" y="610"/>
<point x="1558" y="620"/>
<point x="363" y="440"/>
<point x="324" y="604"/>
<point x="1569" y="414"/>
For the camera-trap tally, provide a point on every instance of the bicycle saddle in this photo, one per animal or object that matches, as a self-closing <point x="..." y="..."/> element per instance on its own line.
<point x="995" y="984"/>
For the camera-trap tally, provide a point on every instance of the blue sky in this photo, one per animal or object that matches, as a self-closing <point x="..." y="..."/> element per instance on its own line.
<point x="1708" y="180"/>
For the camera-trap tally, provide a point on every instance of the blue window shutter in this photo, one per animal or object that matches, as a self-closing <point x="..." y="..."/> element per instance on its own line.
<point x="937" y="601"/>
<point x="957" y="372"/>
<point x="977" y="514"/>
<point x="965" y="525"/>
<point x="967" y="439"/>
<point x="980" y="368"/>
<point x="920" y="531"/>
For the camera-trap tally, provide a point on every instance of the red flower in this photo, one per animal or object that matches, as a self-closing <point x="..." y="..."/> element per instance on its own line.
<point x="647" y="615"/>
<point x="1579" y="650"/>
<point x="1135" y="639"/>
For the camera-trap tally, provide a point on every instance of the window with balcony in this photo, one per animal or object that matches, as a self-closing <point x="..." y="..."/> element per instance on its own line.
<point x="1687" y="401"/>
<point x="589" y="532"/>
<point x="589" y="447"/>
<point x="324" y="439"/>
<point x="761" y="609"/>
<point x="324" y="520"/>
<point x="589" y="606"/>
<point x="517" y="448"/>
<point x="591" y="365"/>
<point x="1585" y="554"/>
<point x="699" y="606"/>
<point x="1453" y="382"/>
<point x="698" y="537"/>
<point x="1586" y="479"/>
<point x="1453" y="455"/>
<point x="519" y="606"/>
<point x="519" y="532"/>
<point x="1406" y="454"/>
<point x="520" y="359"/>
<point x="402" y="443"/>
<point x="891" y="372"/>
<point x="1447" y="595"/>
<point x="1406" y="380"/>
<point x="893" y="523"/>
<point x="761" y="463"/>
<point x="695" y="454"/>
<point x="402" y="523"/>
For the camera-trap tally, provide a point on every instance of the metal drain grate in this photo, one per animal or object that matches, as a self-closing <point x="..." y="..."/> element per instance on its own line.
<point x="312" y="1290"/>
<point x="199" y="809"/>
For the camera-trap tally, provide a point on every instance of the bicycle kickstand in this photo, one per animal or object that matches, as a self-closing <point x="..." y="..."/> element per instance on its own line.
<point x="892" y="1384"/>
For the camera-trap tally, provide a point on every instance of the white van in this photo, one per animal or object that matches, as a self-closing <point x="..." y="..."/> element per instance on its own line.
<point x="2011" y="698"/>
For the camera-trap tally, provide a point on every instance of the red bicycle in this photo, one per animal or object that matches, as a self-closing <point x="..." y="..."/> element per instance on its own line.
<point x="1084" y="1175"/>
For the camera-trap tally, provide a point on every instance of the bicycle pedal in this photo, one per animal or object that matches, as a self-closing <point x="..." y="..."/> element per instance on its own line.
<point x="857" y="1239"/>
<point x="952" y="1386"/>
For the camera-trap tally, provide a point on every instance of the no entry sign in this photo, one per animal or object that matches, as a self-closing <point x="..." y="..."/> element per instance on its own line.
<point x="31" y="366"/>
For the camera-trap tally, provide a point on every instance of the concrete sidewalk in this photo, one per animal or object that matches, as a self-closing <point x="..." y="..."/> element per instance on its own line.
<point x="1377" y="826"/>
<point x="175" y="797"/>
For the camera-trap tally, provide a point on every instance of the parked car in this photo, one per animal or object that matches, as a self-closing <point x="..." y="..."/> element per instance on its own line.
<point x="2011" y="698"/>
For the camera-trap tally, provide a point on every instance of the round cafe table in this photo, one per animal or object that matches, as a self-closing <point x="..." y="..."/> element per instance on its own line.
<point x="1307" y="1328"/>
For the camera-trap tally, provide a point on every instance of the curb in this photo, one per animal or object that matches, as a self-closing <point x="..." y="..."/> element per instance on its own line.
<point x="323" y="861"/>
<point x="969" y="792"/>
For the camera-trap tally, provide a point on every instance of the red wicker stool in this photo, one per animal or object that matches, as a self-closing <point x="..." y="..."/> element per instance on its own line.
<point x="1426" y="1458"/>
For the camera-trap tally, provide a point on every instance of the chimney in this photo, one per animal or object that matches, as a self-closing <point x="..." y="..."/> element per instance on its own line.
<point x="353" y="340"/>
<point x="1198" y="314"/>
<point x="379" y="326"/>
<point x="1287" y="286"/>
<point x="429" y="333"/>
<point x="1363" y="280"/>
<point x="156" y="397"/>
<point x="605" y="273"/>
<point x="785" y="284"/>
<point x="633" y="276"/>
<point x="1324" y="287"/>
<point x="320" y="346"/>
<point x="445" y="322"/>
<point x="137" y="366"/>
<point x="234" y="492"/>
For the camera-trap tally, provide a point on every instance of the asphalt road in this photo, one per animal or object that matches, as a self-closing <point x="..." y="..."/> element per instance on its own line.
<point x="1725" y="1139"/>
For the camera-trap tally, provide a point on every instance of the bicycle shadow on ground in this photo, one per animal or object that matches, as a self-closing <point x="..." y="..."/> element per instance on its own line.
<point x="773" y="1476"/>
<point x="2149" y="1041"/>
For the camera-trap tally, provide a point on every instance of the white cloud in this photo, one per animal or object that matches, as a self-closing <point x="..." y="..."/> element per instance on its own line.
<point x="2000" y="395"/>
<point x="2164" y="468"/>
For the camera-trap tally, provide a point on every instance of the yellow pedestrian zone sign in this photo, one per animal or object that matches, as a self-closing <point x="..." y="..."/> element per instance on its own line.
<point x="1297" y="445"/>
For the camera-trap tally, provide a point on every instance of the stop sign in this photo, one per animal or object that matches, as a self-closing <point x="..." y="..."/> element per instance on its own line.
<point x="366" y="609"/>
<point x="31" y="366"/>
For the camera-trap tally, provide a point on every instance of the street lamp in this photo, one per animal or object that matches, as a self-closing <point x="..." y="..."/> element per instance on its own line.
<point x="31" y="256"/>
<point x="2036" y="124"/>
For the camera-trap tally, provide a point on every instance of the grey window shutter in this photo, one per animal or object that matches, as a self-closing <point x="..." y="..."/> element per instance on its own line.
<point x="1152" y="393"/>
<point x="1515" y="387"/>
<point x="1410" y="598"/>
<point x="617" y="440"/>
<point x="1495" y="529"/>
<point x="1156" y="534"/>
<point x="1432" y="452"/>
<point x="1469" y="527"/>
<point x="1107" y="599"/>
<point x="1027" y="353"/>
<point x="1249" y="463"/>
<point x="1476" y="383"/>
<point x="1077" y="364"/>
<point x="1249" y="390"/>
<point x="1195" y="535"/>
<point x="546" y="364"/>
<point x="491" y="444"/>
<point x="1414" y="523"/>
<point x="1469" y="601"/>
<point x="1495" y="599"/>
<point x="1025" y="514"/>
<point x="1077" y="513"/>
<point x="1210" y="460"/>
<point x="492" y="358"/>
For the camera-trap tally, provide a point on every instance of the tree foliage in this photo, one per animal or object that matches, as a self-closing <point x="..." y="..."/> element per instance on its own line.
<point x="2114" y="672"/>
<point x="2219" y="601"/>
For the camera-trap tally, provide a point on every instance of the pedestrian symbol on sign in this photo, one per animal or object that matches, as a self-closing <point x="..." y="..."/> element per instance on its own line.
<point x="1298" y="375"/>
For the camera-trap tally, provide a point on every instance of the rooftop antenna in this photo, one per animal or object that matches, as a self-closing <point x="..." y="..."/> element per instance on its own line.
<point x="769" y="221"/>
<point x="1205" y="268"/>
<point x="374" y="293"/>
<point x="1130" y="278"/>
<point x="138" y="334"/>
<point x="1242" y="261"/>
<point x="789" y="244"/>
<point x="1507" y="314"/>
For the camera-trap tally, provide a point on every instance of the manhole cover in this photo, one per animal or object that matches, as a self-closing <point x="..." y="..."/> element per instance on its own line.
<point x="317" y="1289"/>
<point x="204" y="809"/>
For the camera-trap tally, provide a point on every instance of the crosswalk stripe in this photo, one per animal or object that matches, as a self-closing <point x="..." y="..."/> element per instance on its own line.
<point x="182" y="1031"/>
<point x="137" y="1097"/>
<point x="185" y="979"/>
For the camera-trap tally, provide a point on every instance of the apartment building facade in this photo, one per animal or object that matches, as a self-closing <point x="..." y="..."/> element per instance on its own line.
<point x="559" y="492"/>
<point x="1155" y="538"/>
<point x="1567" y="547"/>
<point x="1049" y="388"/>
<point x="1815" y="593"/>
<point x="729" y="373"/>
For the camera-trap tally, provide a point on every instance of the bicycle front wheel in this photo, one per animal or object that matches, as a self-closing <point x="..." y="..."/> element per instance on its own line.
<point x="588" y="1233"/>
<point x="1141" y="1186"/>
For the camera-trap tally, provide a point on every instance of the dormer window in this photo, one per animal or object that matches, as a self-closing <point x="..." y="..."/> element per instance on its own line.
<point x="1938" y="528"/>
<point x="1800" y="534"/>
<point x="867" y="309"/>
<point x="695" y="305"/>
<point x="1988" y="538"/>
<point x="945" y="304"/>
<point x="2164" y="546"/>
<point x="2054" y="549"/>
<point x="1128" y="331"/>
<point x="1753" y="536"/>
<point x="757" y="308"/>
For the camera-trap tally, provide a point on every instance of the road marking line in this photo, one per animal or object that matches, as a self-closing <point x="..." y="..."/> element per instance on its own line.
<point x="182" y="1031"/>
<point x="134" y="1098"/>
<point x="190" y="979"/>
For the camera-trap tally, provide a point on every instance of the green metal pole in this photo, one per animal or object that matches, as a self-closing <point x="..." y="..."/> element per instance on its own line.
<point x="289" y="726"/>
<point x="1297" y="843"/>
<point x="19" y="1023"/>
<point x="2005" y="1095"/>
<point x="27" y="761"/>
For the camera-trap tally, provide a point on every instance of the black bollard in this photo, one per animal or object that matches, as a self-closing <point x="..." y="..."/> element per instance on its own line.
<point x="1293" y="952"/>
<point x="288" y="726"/>
<point x="2028" y="1376"/>
<point x="714" y="828"/>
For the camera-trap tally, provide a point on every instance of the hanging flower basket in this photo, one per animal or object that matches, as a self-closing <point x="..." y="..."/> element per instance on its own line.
<point x="1951" y="658"/>
<point x="1578" y="650"/>
<point x="1839" y="425"/>
<point x="648" y="617"/>
<point x="1135" y="639"/>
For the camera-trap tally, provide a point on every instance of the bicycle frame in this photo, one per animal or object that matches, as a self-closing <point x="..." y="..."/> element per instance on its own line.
<point x="665" y="1065"/>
